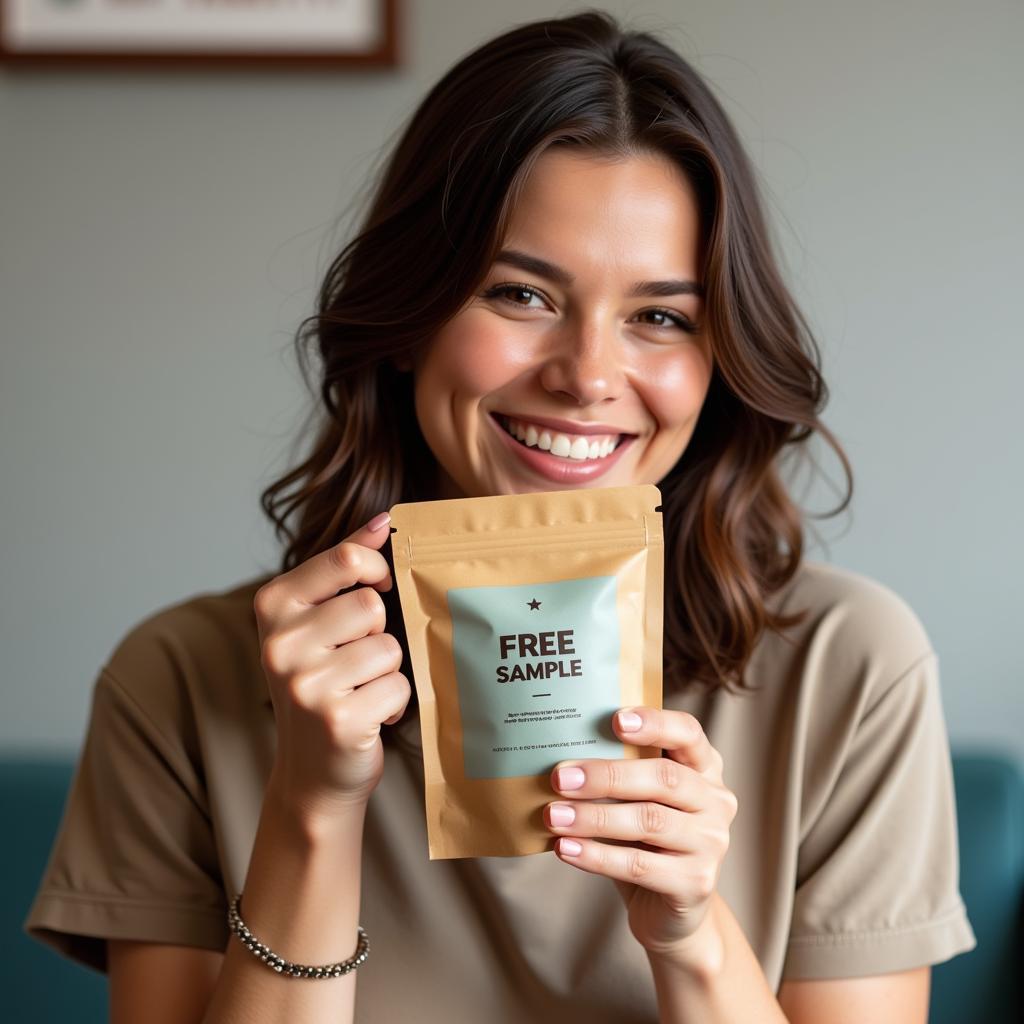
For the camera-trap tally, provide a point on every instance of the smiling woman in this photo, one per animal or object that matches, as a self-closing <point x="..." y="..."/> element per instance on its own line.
<point x="589" y="298"/>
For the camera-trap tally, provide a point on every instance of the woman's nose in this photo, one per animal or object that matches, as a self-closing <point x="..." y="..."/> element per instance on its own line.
<point x="585" y="365"/>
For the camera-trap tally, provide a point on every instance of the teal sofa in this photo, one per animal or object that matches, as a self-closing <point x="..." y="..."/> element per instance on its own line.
<point x="980" y="987"/>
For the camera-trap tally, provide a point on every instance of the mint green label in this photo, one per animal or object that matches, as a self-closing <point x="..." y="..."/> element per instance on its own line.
<point x="537" y="668"/>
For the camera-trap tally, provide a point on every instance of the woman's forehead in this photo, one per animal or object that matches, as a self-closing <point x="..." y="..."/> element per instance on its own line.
<point x="632" y="216"/>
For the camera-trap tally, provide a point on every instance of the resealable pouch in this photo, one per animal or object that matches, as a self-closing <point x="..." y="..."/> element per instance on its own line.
<point x="531" y="619"/>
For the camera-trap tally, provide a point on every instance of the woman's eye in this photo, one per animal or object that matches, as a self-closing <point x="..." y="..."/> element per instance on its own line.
<point x="514" y="293"/>
<point x="673" y="320"/>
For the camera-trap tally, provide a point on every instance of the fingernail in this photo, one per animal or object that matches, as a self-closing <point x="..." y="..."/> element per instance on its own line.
<point x="562" y="814"/>
<point x="378" y="521"/>
<point x="629" y="721"/>
<point x="569" y="847"/>
<point x="569" y="778"/>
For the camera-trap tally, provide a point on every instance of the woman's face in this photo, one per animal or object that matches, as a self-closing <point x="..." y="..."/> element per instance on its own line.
<point x="579" y="342"/>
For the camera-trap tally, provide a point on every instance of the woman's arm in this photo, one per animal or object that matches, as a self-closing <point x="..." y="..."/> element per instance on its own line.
<point x="160" y="982"/>
<point x="301" y="898"/>
<point x="333" y="677"/>
<point x="721" y="980"/>
<point x="900" y="997"/>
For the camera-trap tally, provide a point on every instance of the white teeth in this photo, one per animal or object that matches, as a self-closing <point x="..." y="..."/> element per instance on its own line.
<point x="576" y="447"/>
<point x="580" y="449"/>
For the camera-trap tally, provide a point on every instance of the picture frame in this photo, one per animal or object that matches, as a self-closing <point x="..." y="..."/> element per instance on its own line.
<point x="324" y="34"/>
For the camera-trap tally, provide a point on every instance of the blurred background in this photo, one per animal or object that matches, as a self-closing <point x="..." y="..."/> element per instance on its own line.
<point x="162" y="233"/>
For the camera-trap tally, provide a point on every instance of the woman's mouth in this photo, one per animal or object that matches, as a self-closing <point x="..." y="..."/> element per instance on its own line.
<point x="561" y="457"/>
<point x="578" y="447"/>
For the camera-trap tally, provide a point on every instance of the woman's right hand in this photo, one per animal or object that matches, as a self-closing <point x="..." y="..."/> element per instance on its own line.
<point x="333" y="675"/>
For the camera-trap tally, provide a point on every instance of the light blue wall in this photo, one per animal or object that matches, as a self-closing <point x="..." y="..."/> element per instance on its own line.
<point x="161" y="234"/>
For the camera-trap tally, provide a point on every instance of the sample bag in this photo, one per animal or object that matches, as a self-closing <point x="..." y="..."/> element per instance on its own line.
<point x="531" y="619"/>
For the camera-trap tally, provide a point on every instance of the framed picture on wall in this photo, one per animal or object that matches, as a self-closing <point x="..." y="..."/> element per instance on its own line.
<point x="325" y="33"/>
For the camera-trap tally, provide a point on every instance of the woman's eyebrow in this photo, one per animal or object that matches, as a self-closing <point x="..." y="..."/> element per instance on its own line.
<point x="542" y="268"/>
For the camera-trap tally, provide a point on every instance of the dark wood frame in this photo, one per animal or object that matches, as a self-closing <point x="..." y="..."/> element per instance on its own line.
<point x="386" y="54"/>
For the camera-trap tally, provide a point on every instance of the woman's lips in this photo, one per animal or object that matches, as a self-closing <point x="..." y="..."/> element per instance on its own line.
<point x="555" y="468"/>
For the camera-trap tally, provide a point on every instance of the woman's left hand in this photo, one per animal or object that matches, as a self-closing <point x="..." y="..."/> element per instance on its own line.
<point x="673" y="813"/>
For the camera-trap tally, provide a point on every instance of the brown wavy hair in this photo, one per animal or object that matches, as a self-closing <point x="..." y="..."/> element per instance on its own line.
<point x="435" y="222"/>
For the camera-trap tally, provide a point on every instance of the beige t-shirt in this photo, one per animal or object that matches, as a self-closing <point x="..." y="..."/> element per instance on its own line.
<point x="843" y="857"/>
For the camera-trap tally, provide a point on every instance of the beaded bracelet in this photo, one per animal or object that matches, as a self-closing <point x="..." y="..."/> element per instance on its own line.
<point x="282" y="966"/>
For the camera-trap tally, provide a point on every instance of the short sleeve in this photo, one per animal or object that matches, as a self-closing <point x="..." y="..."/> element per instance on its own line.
<point x="878" y="869"/>
<point x="135" y="856"/>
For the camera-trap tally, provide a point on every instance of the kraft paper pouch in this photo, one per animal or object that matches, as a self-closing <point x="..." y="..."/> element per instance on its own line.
<point x="531" y="618"/>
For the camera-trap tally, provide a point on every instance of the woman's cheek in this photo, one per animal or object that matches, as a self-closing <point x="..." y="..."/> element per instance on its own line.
<point x="482" y="354"/>
<point x="673" y="389"/>
<point x="675" y="386"/>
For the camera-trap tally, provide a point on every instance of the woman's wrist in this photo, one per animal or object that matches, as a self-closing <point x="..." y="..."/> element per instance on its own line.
<point x="701" y="955"/>
<point x="303" y="884"/>
<point x="311" y="823"/>
<point x="301" y="899"/>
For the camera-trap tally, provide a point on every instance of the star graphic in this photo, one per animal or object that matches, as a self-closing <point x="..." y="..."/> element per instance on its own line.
<point x="534" y="604"/>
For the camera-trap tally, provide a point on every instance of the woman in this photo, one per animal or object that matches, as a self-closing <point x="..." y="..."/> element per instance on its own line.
<point x="566" y="243"/>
